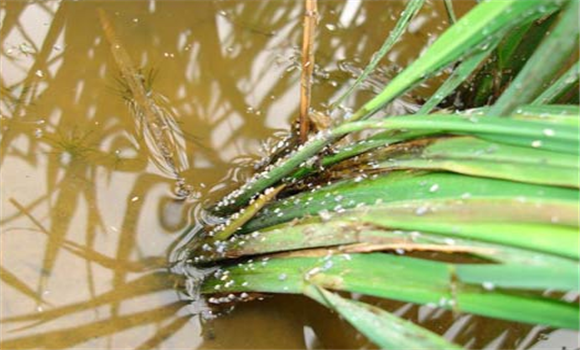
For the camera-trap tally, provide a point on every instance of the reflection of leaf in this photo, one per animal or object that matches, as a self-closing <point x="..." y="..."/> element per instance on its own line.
<point x="14" y="282"/>
<point x="11" y="17"/>
<point x="143" y="285"/>
<point x="90" y="255"/>
<point x="36" y="202"/>
<point x="68" y="337"/>
<point x="30" y="91"/>
<point x="127" y="236"/>
<point x="164" y="332"/>
<point x="61" y="217"/>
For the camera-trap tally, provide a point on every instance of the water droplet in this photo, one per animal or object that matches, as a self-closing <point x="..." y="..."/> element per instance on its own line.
<point x="549" y="132"/>
<point x="331" y="27"/>
<point x="421" y="210"/>
<point x="434" y="188"/>
<point x="65" y="157"/>
<point x="324" y="215"/>
<point x="282" y="277"/>
<point x="536" y="143"/>
<point x="488" y="285"/>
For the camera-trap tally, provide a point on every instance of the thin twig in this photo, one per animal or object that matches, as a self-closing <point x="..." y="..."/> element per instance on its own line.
<point x="310" y="21"/>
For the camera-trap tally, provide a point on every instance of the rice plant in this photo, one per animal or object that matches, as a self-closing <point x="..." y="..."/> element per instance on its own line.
<point x="469" y="206"/>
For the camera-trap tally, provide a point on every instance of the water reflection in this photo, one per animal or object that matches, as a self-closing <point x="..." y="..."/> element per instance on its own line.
<point x="89" y="213"/>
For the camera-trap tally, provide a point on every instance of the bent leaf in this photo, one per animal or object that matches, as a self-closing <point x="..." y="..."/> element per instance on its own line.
<point x="383" y="328"/>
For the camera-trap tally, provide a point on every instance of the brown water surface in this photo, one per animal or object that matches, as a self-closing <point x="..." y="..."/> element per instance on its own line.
<point x="91" y="205"/>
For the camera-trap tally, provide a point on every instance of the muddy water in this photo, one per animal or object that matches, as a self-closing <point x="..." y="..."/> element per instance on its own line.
<point x="90" y="204"/>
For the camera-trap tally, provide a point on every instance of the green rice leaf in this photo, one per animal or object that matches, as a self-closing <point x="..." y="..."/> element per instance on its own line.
<point x="395" y="277"/>
<point x="345" y="233"/>
<point x="541" y="68"/>
<point x="492" y="189"/>
<point x="563" y="278"/>
<point x="510" y="131"/>
<point x="383" y="328"/>
<point x="557" y="240"/>
<point x="508" y="47"/>
<point x="459" y="75"/>
<point x="468" y="155"/>
<point x="485" y="22"/>
<point x="563" y="84"/>
<point x="544" y="135"/>
<point x="565" y="115"/>
<point x="493" y="210"/>
<point x="556" y="114"/>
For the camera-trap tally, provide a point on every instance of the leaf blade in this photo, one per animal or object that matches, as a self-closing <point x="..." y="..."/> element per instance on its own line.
<point x="383" y="328"/>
